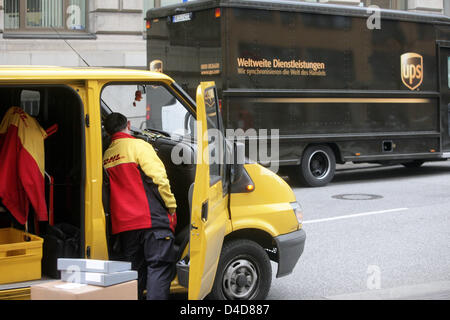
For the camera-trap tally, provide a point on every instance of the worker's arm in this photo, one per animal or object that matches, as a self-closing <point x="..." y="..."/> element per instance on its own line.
<point x="153" y="168"/>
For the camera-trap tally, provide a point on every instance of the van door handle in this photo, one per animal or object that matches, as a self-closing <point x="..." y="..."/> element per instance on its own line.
<point x="205" y="211"/>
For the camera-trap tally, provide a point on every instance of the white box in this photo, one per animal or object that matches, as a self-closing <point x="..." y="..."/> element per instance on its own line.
<point x="89" y="265"/>
<point x="59" y="290"/>
<point x="98" y="278"/>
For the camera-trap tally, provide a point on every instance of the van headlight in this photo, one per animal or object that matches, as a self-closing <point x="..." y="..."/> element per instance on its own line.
<point x="298" y="210"/>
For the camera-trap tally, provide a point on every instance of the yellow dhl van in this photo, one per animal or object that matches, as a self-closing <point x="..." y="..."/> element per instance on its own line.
<point x="233" y="219"/>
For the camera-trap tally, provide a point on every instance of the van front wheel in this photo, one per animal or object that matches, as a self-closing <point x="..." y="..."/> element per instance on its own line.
<point x="244" y="272"/>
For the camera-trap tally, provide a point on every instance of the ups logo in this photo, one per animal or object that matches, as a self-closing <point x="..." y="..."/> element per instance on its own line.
<point x="412" y="70"/>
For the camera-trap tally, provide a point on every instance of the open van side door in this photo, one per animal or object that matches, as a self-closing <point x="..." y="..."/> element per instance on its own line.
<point x="209" y="203"/>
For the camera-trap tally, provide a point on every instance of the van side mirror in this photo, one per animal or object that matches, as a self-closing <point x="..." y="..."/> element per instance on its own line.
<point x="237" y="169"/>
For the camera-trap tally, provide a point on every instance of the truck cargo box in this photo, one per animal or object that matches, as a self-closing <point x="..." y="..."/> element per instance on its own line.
<point x="336" y="86"/>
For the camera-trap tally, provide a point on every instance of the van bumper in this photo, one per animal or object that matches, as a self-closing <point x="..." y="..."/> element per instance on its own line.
<point x="290" y="247"/>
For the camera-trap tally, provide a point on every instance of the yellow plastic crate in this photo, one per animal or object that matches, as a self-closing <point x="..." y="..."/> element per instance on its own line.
<point x="20" y="256"/>
<point x="16" y="294"/>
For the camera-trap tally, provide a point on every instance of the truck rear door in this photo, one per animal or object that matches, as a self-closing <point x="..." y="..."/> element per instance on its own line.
<point x="445" y="98"/>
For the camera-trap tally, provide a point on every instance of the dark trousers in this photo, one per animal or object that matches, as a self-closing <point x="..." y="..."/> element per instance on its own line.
<point x="152" y="255"/>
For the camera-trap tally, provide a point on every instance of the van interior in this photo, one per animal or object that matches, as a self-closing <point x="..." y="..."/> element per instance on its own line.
<point x="181" y="178"/>
<point x="156" y="116"/>
<point x="65" y="164"/>
<point x="64" y="167"/>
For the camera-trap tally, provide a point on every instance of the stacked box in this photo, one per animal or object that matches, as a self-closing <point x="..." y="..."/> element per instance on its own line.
<point x="96" y="272"/>
<point x="60" y="290"/>
<point x="89" y="265"/>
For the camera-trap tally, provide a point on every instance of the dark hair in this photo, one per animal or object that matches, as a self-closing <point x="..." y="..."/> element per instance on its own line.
<point x="115" y="122"/>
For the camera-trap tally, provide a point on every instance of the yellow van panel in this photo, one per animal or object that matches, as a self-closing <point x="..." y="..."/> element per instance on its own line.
<point x="208" y="232"/>
<point x="16" y="294"/>
<point x="267" y="207"/>
<point x="95" y="226"/>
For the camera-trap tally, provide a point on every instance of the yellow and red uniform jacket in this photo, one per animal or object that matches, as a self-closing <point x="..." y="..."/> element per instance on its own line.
<point x="22" y="165"/>
<point x="140" y="195"/>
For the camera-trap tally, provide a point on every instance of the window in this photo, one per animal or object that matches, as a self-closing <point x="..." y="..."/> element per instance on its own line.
<point x="447" y="8"/>
<point x="34" y="15"/>
<point x="388" y="4"/>
<point x="214" y="135"/>
<point x="152" y="106"/>
<point x="448" y="70"/>
<point x="216" y="140"/>
<point x="149" y="4"/>
<point x="149" y="107"/>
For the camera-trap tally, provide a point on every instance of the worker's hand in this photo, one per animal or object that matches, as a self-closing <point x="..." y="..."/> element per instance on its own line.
<point x="172" y="218"/>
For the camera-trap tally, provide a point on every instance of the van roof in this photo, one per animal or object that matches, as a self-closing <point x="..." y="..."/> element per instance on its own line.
<point x="296" y="6"/>
<point x="38" y="73"/>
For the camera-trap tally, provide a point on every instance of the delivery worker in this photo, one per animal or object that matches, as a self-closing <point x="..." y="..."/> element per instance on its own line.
<point x="142" y="207"/>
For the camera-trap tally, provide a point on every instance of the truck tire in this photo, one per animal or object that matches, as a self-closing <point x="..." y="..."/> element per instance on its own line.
<point x="244" y="272"/>
<point x="318" y="166"/>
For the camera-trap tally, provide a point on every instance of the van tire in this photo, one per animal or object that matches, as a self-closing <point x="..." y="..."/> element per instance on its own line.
<point x="317" y="167"/>
<point x="244" y="272"/>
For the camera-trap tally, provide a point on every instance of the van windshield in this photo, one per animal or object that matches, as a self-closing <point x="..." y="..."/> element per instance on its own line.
<point x="149" y="106"/>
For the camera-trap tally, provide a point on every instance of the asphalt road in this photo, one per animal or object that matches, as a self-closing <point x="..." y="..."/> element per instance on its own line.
<point x="374" y="233"/>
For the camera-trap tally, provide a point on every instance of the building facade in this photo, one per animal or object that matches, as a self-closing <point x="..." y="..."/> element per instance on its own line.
<point x="107" y="32"/>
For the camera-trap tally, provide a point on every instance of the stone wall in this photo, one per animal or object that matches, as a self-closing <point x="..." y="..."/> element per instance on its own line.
<point x="114" y="36"/>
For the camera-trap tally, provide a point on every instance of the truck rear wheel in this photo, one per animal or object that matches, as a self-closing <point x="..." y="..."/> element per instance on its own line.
<point x="244" y="272"/>
<point x="318" y="166"/>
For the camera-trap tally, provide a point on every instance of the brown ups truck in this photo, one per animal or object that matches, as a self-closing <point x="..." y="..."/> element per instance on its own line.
<point x="338" y="84"/>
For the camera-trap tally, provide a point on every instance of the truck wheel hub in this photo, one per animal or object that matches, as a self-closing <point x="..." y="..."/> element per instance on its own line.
<point x="319" y="164"/>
